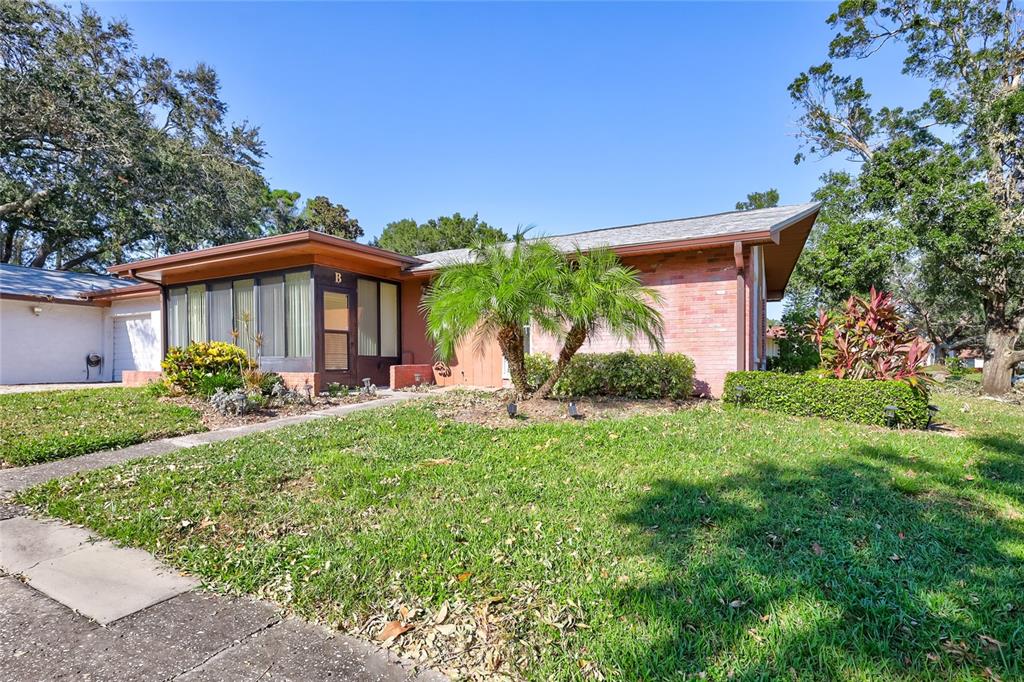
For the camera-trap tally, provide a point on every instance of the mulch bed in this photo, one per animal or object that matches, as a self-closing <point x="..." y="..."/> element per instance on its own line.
<point x="490" y="408"/>
<point x="214" y="420"/>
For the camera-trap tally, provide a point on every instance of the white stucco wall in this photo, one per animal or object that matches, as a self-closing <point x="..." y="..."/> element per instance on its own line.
<point x="145" y="331"/>
<point x="51" y="347"/>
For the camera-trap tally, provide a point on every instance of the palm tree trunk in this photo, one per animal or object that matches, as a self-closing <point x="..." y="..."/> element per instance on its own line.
<point x="573" y="341"/>
<point x="510" y="340"/>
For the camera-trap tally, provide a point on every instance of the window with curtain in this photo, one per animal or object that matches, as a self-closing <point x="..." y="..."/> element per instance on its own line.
<point x="271" y="304"/>
<point x="366" y="298"/>
<point x="244" y="322"/>
<point x="299" y="320"/>
<point x="177" y="317"/>
<point x="388" y="320"/>
<point x="336" y="314"/>
<point x="197" y="313"/>
<point x="220" y="312"/>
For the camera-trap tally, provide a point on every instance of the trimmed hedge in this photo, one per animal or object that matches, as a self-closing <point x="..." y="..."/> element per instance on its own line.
<point x="855" y="400"/>
<point x="623" y="375"/>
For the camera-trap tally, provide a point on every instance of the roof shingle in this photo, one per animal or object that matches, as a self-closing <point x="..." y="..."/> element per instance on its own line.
<point x="733" y="223"/>
<point x="17" y="280"/>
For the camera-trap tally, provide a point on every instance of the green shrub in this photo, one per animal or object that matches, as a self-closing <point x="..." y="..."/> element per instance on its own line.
<point x="538" y="369"/>
<point x="185" y="367"/>
<point x="856" y="400"/>
<point x="955" y="366"/>
<point x="623" y="375"/>
<point x="268" y="381"/>
<point x="226" y="380"/>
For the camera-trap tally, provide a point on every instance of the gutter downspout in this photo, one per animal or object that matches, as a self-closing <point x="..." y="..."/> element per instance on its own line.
<point x="163" y="312"/>
<point x="741" y="307"/>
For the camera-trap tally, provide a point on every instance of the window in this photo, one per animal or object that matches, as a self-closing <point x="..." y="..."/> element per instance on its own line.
<point x="366" y="296"/>
<point x="298" y="323"/>
<point x="197" y="313"/>
<point x="388" y="319"/>
<point x="377" y="318"/>
<point x="177" y="317"/>
<point x="244" y="322"/>
<point x="336" y="316"/>
<point x="272" y="316"/>
<point x="220" y="312"/>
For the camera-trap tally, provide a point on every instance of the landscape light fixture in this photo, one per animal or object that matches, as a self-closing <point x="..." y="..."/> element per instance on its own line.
<point x="890" y="415"/>
<point x="512" y="410"/>
<point x="573" y="411"/>
<point x="741" y="392"/>
<point x="932" y="411"/>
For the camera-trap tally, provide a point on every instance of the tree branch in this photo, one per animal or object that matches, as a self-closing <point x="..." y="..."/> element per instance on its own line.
<point x="25" y="205"/>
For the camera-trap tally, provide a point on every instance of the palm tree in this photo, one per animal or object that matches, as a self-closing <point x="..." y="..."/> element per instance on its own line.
<point x="594" y="292"/>
<point x="496" y="295"/>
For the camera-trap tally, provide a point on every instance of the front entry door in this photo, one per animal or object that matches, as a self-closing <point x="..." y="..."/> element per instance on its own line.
<point x="338" y="341"/>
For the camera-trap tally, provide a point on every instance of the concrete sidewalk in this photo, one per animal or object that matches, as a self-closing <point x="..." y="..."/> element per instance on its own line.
<point x="193" y="636"/>
<point x="74" y="606"/>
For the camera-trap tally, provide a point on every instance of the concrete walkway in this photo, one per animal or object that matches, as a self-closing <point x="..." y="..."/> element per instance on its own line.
<point x="36" y="388"/>
<point x="73" y="606"/>
<point x="19" y="478"/>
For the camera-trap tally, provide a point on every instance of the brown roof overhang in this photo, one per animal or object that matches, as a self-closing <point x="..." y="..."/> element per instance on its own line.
<point x="132" y="291"/>
<point x="301" y="243"/>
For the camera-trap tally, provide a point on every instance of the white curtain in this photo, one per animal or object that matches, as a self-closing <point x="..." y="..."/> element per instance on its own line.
<point x="271" y="296"/>
<point x="177" y="318"/>
<point x="388" y="320"/>
<point x="220" y="312"/>
<point x="197" y="313"/>
<point x="245" y="315"/>
<point x="366" y="300"/>
<point x="299" y="325"/>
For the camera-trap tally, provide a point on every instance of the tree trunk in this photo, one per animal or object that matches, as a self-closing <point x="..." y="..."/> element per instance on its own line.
<point x="510" y="340"/>
<point x="1000" y="360"/>
<point x="573" y="340"/>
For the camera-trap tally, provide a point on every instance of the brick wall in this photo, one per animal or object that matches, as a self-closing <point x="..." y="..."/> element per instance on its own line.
<point x="699" y="308"/>
<point x="403" y="376"/>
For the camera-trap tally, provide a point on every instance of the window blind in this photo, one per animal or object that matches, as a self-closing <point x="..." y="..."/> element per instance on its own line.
<point x="299" y="323"/>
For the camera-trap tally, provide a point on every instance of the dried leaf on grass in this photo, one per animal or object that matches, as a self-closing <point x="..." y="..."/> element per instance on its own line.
<point x="392" y="630"/>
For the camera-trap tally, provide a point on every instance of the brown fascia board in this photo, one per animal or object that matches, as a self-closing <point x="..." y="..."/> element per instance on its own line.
<point x="254" y="245"/>
<point x="130" y="291"/>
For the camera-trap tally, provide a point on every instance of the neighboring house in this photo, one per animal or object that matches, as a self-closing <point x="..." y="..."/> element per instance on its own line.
<point x="972" y="357"/>
<point x="330" y="310"/>
<point x="51" y="322"/>
<point x="771" y="340"/>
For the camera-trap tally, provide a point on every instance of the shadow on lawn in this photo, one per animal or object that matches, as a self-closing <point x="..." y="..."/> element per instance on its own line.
<point x="827" y="571"/>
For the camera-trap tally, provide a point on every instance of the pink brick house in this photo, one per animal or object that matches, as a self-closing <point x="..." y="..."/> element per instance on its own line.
<point x="331" y="310"/>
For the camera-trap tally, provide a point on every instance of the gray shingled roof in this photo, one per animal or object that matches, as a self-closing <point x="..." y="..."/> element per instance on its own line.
<point x="734" y="223"/>
<point x="68" y="286"/>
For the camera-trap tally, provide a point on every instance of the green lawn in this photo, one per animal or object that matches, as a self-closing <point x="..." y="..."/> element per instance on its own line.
<point x="736" y="543"/>
<point x="36" y="427"/>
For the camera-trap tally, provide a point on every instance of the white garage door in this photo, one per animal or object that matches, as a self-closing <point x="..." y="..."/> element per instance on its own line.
<point x="135" y="344"/>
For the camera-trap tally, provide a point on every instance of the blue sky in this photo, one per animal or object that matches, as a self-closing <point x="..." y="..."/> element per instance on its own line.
<point x="565" y="116"/>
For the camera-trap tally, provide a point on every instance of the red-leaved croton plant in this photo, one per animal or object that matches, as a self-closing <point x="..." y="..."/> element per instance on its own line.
<point x="868" y="339"/>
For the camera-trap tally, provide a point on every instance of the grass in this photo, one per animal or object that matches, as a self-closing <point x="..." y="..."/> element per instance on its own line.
<point x="721" y="541"/>
<point x="37" y="427"/>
